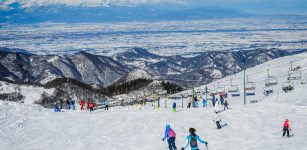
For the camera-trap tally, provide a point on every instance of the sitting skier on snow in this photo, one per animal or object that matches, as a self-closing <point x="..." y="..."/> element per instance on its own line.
<point x="56" y="108"/>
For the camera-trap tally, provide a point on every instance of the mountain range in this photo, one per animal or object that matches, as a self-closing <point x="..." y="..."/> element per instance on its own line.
<point x="21" y="66"/>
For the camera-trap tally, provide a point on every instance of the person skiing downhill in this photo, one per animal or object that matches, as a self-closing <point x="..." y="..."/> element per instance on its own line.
<point x="170" y="135"/>
<point x="222" y="99"/>
<point x="82" y="104"/>
<point x="286" y="128"/>
<point x="192" y="139"/>
<point x="217" y="120"/>
<point x="174" y="107"/>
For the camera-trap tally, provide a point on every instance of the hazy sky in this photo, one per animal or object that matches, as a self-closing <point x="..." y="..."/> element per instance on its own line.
<point x="260" y="6"/>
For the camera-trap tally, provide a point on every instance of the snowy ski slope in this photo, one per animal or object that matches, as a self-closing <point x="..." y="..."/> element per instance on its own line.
<point x="251" y="127"/>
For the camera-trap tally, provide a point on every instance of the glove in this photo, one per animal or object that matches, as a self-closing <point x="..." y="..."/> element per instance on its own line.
<point x="290" y="129"/>
<point x="163" y="139"/>
<point x="206" y="143"/>
<point x="182" y="148"/>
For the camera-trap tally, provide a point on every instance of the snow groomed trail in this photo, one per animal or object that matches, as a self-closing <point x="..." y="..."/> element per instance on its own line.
<point x="251" y="127"/>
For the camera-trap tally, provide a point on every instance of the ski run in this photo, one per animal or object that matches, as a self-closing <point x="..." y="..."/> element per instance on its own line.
<point x="255" y="126"/>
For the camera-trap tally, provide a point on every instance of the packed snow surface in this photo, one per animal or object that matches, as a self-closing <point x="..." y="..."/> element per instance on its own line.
<point x="251" y="127"/>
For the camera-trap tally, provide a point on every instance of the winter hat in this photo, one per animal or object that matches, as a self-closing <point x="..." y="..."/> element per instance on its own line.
<point x="168" y="126"/>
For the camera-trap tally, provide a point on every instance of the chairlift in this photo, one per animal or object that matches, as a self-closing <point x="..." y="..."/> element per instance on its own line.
<point x="267" y="90"/>
<point x="287" y="86"/>
<point x="294" y="73"/>
<point x="270" y="81"/>
<point x="233" y="88"/>
<point x="220" y="90"/>
<point x="250" y="86"/>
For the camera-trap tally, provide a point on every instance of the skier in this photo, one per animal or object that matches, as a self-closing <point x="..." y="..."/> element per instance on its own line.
<point x="217" y="120"/>
<point x="67" y="104"/>
<point x="213" y="100"/>
<point x="217" y="106"/>
<point x="195" y="102"/>
<point x="204" y="102"/>
<point x="286" y="128"/>
<point x="192" y="140"/>
<point x="73" y="104"/>
<point x="91" y="106"/>
<point x="106" y="104"/>
<point x="170" y="135"/>
<point x="174" y="107"/>
<point x="189" y="105"/>
<point x="222" y="99"/>
<point x="226" y="104"/>
<point x="82" y="104"/>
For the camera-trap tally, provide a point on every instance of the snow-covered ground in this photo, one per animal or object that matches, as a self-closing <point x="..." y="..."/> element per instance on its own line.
<point x="251" y="127"/>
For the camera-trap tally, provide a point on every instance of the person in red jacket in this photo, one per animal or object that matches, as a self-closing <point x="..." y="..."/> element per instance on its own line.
<point x="286" y="128"/>
<point x="82" y="104"/>
<point x="91" y="106"/>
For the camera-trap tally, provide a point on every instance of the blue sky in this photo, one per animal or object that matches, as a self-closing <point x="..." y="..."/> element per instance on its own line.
<point x="255" y="6"/>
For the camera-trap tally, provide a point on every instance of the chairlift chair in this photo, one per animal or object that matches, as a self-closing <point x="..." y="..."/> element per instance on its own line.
<point x="233" y="88"/>
<point x="270" y="81"/>
<point x="267" y="90"/>
<point x="250" y="86"/>
<point x="288" y="86"/>
<point x="294" y="75"/>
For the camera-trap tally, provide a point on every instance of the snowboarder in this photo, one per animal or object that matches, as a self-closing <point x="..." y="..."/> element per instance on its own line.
<point x="73" y="104"/>
<point x="192" y="140"/>
<point x="106" y="104"/>
<point x="170" y="135"/>
<point x="174" y="107"/>
<point x="286" y="128"/>
<point x="204" y="103"/>
<point x="82" y="104"/>
<point x="226" y="104"/>
<point x="67" y="104"/>
<point x="218" y="120"/>
<point x="91" y="106"/>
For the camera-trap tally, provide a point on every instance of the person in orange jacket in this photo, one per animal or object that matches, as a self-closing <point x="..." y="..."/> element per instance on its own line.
<point x="82" y="104"/>
<point x="286" y="128"/>
<point x="91" y="106"/>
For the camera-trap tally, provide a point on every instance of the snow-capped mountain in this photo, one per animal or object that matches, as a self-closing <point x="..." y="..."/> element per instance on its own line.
<point x="205" y="67"/>
<point x="82" y="66"/>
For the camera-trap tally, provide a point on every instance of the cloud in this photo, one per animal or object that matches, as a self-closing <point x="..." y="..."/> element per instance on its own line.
<point x="29" y="3"/>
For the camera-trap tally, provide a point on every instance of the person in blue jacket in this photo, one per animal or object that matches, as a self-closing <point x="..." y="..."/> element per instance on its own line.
<point x="73" y="104"/>
<point x="68" y="104"/>
<point x="204" y="102"/>
<point x="192" y="140"/>
<point x="106" y="104"/>
<point x="170" y="135"/>
<point x="174" y="107"/>
<point x="213" y="100"/>
<point x="56" y="108"/>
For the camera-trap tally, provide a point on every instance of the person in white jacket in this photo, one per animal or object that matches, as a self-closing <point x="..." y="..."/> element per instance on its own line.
<point x="216" y="107"/>
<point x="217" y="120"/>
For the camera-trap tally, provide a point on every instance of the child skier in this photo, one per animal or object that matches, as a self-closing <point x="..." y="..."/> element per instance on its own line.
<point x="68" y="104"/>
<point x="192" y="140"/>
<point x="82" y="104"/>
<point x="286" y="128"/>
<point x="106" y="104"/>
<point x="174" y="107"/>
<point x="91" y="106"/>
<point x="217" y="120"/>
<point x="56" y="108"/>
<point x="170" y="135"/>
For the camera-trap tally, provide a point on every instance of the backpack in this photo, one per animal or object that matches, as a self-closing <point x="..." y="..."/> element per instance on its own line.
<point x="193" y="142"/>
<point x="171" y="133"/>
